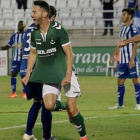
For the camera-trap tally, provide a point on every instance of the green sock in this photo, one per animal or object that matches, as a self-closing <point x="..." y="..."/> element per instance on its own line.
<point x="78" y="121"/>
<point x="60" y="105"/>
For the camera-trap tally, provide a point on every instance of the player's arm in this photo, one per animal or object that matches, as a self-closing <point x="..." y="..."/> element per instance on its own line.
<point x="10" y="43"/>
<point x="134" y="52"/>
<point x="134" y="39"/>
<point x="5" y="47"/>
<point x="31" y="62"/>
<point x="69" y="55"/>
<point x="114" y="54"/>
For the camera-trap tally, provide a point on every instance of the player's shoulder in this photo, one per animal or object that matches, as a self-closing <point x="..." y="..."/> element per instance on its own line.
<point x="30" y="28"/>
<point x="134" y="28"/>
<point x="122" y="26"/>
<point x="56" y="25"/>
<point x="35" y="31"/>
<point x="14" y="34"/>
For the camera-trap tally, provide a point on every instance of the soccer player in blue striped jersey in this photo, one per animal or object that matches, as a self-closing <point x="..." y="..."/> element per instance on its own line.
<point x="128" y="65"/>
<point x="16" y="41"/>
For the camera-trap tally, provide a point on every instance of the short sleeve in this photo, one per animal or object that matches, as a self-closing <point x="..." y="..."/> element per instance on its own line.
<point x="32" y="44"/>
<point x="64" y="37"/>
<point x="11" y="40"/>
<point x="135" y="31"/>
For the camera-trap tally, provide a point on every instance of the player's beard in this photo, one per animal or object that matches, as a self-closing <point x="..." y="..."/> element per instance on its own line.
<point x="38" y="22"/>
<point x="21" y="29"/>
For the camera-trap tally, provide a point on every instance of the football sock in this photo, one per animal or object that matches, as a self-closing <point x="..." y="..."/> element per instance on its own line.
<point x="13" y="83"/>
<point x="78" y="121"/>
<point x="137" y="93"/>
<point x="23" y="86"/>
<point x="60" y="105"/>
<point x="46" y="118"/>
<point x="32" y="116"/>
<point x="121" y="91"/>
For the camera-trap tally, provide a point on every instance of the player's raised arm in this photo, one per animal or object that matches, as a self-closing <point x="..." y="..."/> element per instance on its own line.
<point x="5" y="47"/>
<point x="134" y="39"/>
<point x="69" y="54"/>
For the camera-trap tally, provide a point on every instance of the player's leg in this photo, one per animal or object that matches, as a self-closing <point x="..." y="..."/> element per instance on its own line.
<point x="137" y="92"/>
<point x="123" y="73"/>
<point x="23" y="95"/>
<point x="77" y="118"/>
<point x="14" y="72"/>
<point x="46" y="118"/>
<point x="50" y="95"/>
<point x="32" y="116"/>
<point x="134" y="75"/>
<point x="72" y="92"/>
<point x="31" y="90"/>
<point x="121" y="91"/>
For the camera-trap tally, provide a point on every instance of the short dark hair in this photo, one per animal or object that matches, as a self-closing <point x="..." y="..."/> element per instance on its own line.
<point x="53" y="11"/>
<point x="129" y="11"/>
<point x="44" y="5"/>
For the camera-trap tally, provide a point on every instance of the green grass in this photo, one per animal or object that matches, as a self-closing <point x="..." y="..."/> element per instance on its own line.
<point x="98" y="93"/>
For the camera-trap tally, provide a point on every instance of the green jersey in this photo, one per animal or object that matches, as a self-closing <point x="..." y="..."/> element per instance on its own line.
<point x="50" y="67"/>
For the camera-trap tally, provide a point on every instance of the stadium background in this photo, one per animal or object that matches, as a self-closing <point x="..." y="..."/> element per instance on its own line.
<point x="91" y="51"/>
<point x="84" y="22"/>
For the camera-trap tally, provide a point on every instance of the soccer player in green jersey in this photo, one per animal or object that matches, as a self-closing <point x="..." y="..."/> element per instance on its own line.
<point x="52" y="52"/>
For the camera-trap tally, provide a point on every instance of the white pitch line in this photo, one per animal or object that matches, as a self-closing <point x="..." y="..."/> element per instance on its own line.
<point x="96" y="117"/>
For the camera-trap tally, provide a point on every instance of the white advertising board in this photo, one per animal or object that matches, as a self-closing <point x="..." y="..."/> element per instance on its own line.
<point x="3" y="63"/>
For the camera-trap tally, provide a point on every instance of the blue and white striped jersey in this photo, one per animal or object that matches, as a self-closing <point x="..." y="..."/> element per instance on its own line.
<point x="131" y="3"/>
<point x="127" y="32"/>
<point x="16" y="41"/>
<point x="26" y="49"/>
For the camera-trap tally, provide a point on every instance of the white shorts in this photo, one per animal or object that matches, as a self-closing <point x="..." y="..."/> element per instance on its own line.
<point x="71" y="90"/>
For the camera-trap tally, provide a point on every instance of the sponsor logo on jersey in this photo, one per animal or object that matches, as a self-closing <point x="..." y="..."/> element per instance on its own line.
<point x="49" y="51"/>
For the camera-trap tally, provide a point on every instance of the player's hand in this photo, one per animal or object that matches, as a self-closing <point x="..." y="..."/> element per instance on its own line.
<point x="131" y="64"/>
<point x="25" y="79"/>
<point x="66" y="81"/>
<point x="112" y="59"/>
<point x="121" y="44"/>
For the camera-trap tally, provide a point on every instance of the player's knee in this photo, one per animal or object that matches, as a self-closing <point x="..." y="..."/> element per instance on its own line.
<point x="73" y="110"/>
<point x="49" y="106"/>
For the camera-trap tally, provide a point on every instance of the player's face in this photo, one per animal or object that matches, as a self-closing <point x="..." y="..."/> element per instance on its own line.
<point x="21" y="26"/>
<point x="36" y="15"/>
<point x="125" y="17"/>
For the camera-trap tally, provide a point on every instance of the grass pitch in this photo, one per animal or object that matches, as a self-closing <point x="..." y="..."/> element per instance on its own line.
<point x="98" y="93"/>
